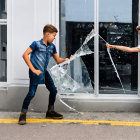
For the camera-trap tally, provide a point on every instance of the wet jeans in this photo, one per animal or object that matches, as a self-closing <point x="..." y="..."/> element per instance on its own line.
<point x="32" y="90"/>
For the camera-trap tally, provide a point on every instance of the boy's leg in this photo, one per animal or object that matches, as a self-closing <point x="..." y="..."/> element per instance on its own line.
<point x="26" y="102"/>
<point x="53" y="92"/>
<point x="28" y="98"/>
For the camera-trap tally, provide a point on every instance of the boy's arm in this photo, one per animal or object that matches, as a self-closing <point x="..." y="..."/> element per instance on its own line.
<point x="28" y="62"/>
<point x="59" y="59"/>
<point x="123" y="48"/>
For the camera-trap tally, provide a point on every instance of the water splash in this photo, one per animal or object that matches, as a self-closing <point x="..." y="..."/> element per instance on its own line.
<point x="113" y="64"/>
<point x="68" y="106"/>
<point x="62" y="80"/>
<point x="89" y="36"/>
<point x="60" y="71"/>
<point x="108" y="50"/>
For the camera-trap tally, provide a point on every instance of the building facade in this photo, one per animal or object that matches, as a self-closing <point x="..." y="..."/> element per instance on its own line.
<point x="22" y="22"/>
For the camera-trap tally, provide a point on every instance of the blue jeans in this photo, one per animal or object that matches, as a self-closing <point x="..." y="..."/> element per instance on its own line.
<point x="32" y="90"/>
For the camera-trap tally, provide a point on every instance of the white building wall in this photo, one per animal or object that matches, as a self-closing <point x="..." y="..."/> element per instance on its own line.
<point x="26" y="19"/>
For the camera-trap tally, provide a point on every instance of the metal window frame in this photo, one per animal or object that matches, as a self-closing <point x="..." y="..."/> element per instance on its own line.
<point x="96" y="48"/>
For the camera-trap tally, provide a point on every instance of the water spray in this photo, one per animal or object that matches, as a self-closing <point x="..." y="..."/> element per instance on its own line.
<point x="83" y="50"/>
<point x="113" y="64"/>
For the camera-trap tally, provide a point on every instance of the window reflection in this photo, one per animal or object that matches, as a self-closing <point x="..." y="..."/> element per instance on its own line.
<point x="76" y="34"/>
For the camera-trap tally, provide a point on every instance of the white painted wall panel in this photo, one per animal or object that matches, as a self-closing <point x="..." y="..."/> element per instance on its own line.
<point x="22" y="35"/>
<point x="26" y="20"/>
<point x="42" y="16"/>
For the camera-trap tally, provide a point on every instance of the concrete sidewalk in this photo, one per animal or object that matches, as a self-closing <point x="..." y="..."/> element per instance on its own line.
<point x="109" y="116"/>
<point x="74" y="126"/>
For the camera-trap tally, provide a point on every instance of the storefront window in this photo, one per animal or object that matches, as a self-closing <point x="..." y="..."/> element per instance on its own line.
<point x="117" y="25"/>
<point x="77" y="21"/>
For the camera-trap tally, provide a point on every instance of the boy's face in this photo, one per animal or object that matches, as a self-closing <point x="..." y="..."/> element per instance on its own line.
<point x="50" y="37"/>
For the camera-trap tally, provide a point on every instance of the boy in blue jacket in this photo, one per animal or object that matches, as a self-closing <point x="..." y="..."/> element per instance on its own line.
<point x="41" y="52"/>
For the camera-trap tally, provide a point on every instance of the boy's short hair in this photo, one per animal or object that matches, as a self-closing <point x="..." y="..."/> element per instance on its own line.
<point x="138" y="28"/>
<point x="49" y="28"/>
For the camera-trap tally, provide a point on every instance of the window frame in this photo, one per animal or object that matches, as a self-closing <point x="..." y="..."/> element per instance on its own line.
<point x="96" y="49"/>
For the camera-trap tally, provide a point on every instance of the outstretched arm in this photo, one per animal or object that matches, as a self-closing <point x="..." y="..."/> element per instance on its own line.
<point x="123" y="48"/>
<point x="28" y="62"/>
<point x="59" y="59"/>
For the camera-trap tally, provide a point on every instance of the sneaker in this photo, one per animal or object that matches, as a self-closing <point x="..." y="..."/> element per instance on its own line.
<point x="22" y="119"/>
<point x="53" y="115"/>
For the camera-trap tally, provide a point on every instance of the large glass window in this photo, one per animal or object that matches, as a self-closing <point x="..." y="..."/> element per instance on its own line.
<point x="76" y="22"/>
<point x="117" y="25"/>
<point x="3" y="40"/>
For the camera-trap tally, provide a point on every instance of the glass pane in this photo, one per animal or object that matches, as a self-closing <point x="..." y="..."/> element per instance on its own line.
<point x="3" y="9"/>
<point x="77" y="21"/>
<point x="118" y="26"/>
<point x="3" y="53"/>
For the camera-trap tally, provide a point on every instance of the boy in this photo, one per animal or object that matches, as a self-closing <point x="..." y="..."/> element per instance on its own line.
<point x="124" y="48"/>
<point x="41" y="51"/>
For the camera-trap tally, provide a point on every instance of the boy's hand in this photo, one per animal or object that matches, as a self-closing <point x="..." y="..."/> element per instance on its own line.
<point x="70" y="56"/>
<point x="66" y="59"/>
<point x="37" y="72"/>
<point x="109" y="46"/>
